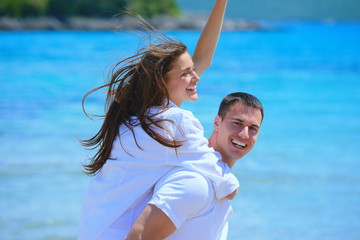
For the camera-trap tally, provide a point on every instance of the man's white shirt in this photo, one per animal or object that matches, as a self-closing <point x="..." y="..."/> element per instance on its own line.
<point x="188" y="199"/>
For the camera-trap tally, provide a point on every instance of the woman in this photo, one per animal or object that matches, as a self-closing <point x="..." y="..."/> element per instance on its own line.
<point x="145" y="133"/>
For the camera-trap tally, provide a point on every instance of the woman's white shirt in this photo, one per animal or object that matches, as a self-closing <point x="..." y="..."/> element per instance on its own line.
<point x="131" y="172"/>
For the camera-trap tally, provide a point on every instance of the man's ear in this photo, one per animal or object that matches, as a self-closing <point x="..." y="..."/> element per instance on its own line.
<point x="217" y="122"/>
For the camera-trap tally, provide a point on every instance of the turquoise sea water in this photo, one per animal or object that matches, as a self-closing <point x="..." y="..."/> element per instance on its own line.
<point x="300" y="182"/>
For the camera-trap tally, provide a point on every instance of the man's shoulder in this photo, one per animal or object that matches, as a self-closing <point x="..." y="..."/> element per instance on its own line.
<point x="181" y="172"/>
<point x="187" y="179"/>
<point x="183" y="194"/>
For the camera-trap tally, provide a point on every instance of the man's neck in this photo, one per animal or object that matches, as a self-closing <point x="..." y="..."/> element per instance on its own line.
<point x="225" y="159"/>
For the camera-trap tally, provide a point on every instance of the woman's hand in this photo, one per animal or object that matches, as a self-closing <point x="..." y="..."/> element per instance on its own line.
<point x="232" y="195"/>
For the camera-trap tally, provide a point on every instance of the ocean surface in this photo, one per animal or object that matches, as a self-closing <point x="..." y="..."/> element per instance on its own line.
<point x="300" y="182"/>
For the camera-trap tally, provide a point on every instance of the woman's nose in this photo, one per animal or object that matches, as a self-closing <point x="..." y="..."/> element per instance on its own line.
<point x="196" y="76"/>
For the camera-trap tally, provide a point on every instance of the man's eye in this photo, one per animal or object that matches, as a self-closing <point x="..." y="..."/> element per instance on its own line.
<point x="254" y="129"/>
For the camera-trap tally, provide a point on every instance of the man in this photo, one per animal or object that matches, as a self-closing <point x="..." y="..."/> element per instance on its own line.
<point x="183" y="204"/>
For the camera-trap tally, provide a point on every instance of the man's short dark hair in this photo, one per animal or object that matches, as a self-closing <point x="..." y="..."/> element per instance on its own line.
<point x="245" y="98"/>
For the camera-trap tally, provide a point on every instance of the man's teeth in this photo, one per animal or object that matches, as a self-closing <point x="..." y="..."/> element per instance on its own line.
<point x="240" y="144"/>
<point x="191" y="88"/>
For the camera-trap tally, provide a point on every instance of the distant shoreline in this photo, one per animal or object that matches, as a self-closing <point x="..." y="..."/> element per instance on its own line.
<point x="118" y="23"/>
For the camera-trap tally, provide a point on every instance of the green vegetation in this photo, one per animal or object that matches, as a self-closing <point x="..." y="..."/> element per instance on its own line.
<point x="348" y="10"/>
<point x="152" y="8"/>
<point x="17" y="8"/>
<point x="87" y="8"/>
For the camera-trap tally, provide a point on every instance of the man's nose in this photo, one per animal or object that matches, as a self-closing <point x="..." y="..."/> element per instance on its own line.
<point x="244" y="133"/>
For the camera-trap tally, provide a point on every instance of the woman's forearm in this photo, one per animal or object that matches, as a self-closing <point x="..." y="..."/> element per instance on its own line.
<point x="209" y="37"/>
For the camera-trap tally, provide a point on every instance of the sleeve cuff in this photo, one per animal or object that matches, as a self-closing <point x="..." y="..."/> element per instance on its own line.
<point x="165" y="208"/>
<point x="228" y="184"/>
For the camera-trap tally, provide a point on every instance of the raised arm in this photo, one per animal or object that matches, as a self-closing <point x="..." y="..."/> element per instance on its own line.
<point x="209" y="37"/>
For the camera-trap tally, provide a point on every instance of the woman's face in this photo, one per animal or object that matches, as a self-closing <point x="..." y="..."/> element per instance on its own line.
<point x="181" y="80"/>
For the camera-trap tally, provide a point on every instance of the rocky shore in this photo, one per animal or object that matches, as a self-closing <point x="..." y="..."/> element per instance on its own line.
<point x="118" y="23"/>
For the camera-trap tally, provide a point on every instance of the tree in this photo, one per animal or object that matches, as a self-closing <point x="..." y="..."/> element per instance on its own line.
<point x="87" y="8"/>
<point x="155" y="7"/>
<point x="23" y="8"/>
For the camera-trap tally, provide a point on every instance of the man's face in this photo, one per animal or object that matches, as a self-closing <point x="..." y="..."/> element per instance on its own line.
<point x="237" y="132"/>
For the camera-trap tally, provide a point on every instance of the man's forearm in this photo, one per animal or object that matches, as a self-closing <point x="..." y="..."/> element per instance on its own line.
<point x="152" y="224"/>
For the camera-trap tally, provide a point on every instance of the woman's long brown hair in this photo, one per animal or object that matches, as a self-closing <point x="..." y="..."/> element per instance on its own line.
<point x="137" y="84"/>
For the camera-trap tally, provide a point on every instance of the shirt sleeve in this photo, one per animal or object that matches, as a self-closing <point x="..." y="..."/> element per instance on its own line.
<point x="195" y="154"/>
<point x="182" y="195"/>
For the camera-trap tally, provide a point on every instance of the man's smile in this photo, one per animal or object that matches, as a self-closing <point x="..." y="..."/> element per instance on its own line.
<point x="238" y="144"/>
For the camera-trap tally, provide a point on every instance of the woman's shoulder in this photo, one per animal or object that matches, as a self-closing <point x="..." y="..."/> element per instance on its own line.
<point x="178" y="118"/>
<point x="177" y="114"/>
